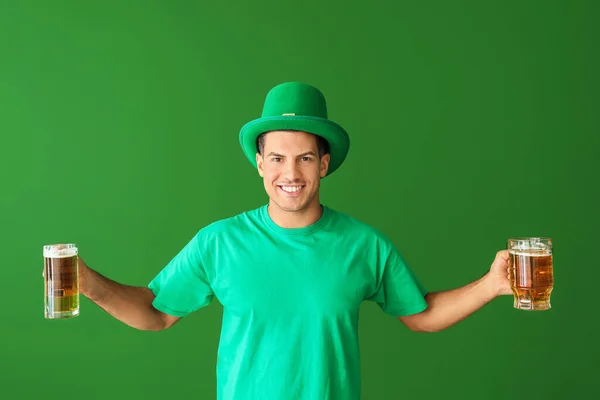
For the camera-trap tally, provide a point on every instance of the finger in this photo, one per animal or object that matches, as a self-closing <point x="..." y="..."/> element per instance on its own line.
<point x="503" y="254"/>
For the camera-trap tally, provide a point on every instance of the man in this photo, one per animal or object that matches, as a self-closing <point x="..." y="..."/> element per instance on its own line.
<point x="291" y="275"/>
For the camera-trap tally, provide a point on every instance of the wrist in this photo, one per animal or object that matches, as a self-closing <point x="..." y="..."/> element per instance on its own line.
<point x="491" y="289"/>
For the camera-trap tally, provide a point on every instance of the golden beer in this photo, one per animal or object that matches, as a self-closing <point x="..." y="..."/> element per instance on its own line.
<point x="61" y="283"/>
<point x="531" y="272"/>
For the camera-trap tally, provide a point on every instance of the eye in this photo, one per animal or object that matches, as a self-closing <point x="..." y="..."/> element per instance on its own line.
<point x="275" y="159"/>
<point x="306" y="158"/>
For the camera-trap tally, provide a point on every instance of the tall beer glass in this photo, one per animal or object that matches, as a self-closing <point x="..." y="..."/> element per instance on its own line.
<point x="61" y="281"/>
<point x="531" y="274"/>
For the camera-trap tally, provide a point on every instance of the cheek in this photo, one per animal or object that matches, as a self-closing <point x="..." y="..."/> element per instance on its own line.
<point x="270" y="174"/>
<point x="313" y="171"/>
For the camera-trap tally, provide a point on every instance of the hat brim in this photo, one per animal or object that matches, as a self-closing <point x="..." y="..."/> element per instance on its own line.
<point x="336" y="136"/>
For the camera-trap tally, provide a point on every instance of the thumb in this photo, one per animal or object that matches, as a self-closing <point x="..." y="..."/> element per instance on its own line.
<point x="502" y="259"/>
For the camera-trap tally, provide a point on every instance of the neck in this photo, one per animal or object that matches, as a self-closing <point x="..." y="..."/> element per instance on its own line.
<point x="295" y="219"/>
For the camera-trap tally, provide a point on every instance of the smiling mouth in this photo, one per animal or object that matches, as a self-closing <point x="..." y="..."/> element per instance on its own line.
<point x="291" y="189"/>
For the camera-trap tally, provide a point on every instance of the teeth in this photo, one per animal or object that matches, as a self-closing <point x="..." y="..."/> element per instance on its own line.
<point x="291" y="189"/>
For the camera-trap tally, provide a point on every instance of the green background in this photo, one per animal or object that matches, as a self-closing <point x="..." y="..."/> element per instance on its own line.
<point x="470" y="122"/>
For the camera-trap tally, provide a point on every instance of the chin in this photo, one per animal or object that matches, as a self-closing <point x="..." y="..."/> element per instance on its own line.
<point x="291" y="207"/>
<point x="288" y="206"/>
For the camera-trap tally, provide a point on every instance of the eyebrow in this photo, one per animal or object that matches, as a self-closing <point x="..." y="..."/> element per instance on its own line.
<point x="308" y="153"/>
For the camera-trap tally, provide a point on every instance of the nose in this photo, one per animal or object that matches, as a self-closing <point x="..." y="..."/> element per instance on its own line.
<point x="291" y="172"/>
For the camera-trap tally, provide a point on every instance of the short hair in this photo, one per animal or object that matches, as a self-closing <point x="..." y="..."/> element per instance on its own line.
<point x="322" y="144"/>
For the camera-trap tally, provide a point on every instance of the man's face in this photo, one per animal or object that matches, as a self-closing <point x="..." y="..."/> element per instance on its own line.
<point x="291" y="169"/>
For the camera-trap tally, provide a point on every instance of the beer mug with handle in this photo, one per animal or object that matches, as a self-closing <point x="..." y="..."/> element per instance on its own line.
<point x="61" y="281"/>
<point x="531" y="272"/>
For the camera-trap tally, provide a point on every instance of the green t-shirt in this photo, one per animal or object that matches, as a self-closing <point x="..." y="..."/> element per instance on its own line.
<point x="290" y="300"/>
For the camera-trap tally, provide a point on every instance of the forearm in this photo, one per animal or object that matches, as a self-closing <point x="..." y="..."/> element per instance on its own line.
<point x="452" y="306"/>
<point x="129" y="304"/>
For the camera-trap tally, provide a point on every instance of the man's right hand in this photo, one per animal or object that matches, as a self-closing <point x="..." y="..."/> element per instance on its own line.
<point x="131" y="305"/>
<point x="82" y="271"/>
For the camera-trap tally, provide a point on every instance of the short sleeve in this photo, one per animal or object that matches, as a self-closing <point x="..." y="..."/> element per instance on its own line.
<point x="398" y="292"/>
<point x="182" y="286"/>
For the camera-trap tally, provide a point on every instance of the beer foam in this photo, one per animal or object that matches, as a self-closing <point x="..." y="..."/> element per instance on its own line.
<point x="59" y="251"/>
<point x="531" y="252"/>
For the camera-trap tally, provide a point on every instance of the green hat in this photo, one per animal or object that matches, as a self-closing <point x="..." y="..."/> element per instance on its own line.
<point x="300" y="107"/>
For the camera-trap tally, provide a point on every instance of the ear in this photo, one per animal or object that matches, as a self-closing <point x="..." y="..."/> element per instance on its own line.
<point x="259" y="164"/>
<point x="324" y="164"/>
